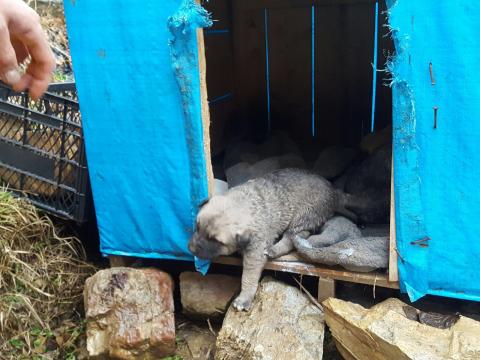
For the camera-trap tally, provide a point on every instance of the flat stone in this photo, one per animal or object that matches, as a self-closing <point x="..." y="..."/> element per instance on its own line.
<point x="130" y="314"/>
<point x="207" y="296"/>
<point x="282" y="325"/>
<point x="386" y="332"/>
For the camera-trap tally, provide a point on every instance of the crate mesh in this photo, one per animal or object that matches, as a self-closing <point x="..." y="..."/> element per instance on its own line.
<point x="42" y="154"/>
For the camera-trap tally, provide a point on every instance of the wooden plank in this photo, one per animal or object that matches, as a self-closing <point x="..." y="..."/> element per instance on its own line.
<point x="202" y="65"/>
<point x="393" y="258"/>
<point x="374" y="278"/>
<point x="326" y="289"/>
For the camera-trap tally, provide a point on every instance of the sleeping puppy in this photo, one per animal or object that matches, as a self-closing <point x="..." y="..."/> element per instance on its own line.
<point x="249" y="219"/>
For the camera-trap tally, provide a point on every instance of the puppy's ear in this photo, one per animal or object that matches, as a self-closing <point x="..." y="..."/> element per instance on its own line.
<point x="243" y="239"/>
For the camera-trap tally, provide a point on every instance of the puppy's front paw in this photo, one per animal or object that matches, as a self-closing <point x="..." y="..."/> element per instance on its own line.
<point x="242" y="303"/>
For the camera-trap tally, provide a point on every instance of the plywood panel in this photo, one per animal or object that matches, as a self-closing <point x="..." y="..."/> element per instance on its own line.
<point x="219" y="54"/>
<point x="249" y="64"/>
<point x="221" y="114"/>
<point x="220" y="78"/>
<point x="279" y="4"/>
<point x="290" y="70"/>
<point x="344" y="34"/>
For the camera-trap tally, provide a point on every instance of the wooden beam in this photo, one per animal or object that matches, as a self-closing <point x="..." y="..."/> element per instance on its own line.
<point x="298" y="267"/>
<point x="326" y="289"/>
<point x="202" y="66"/>
<point x="393" y="256"/>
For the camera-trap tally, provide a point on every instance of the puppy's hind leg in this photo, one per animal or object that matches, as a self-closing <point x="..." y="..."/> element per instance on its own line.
<point x="285" y="245"/>
<point x="253" y="263"/>
<point x="303" y="223"/>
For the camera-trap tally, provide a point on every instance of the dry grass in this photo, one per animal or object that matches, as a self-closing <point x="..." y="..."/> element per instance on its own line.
<point x="41" y="282"/>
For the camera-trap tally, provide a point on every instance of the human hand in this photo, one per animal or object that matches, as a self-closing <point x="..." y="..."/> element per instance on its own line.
<point x="22" y="35"/>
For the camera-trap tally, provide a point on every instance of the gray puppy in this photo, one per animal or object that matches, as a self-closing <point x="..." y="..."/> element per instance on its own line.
<point x="249" y="219"/>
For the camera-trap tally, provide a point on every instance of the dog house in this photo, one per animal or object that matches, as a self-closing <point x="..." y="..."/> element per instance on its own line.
<point x="161" y="99"/>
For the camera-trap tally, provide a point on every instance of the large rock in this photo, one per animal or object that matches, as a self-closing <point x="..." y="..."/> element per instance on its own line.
<point x="130" y="314"/>
<point x="207" y="296"/>
<point x="386" y="332"/>
<point x="282" y="324"/>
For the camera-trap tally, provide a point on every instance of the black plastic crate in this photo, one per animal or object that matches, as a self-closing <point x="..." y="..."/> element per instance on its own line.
<point x="42" y="153"/>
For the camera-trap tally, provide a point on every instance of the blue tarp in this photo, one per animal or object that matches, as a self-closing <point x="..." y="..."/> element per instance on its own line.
<point x="437" y="170"/>
<point x="136" y="69"/>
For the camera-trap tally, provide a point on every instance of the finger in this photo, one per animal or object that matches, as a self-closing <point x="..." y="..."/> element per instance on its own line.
<point x="23" y="83"/>
<point x="42" y="61"/>
<point x="8" y="58"/>
<point x="40" y="79"/>
<point x="20" y="49"/>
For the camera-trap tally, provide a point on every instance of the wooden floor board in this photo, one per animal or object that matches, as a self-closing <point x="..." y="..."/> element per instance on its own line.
<point x="293" y="264"/>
